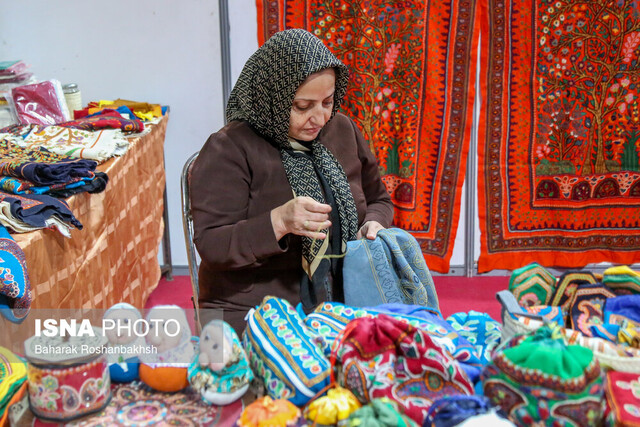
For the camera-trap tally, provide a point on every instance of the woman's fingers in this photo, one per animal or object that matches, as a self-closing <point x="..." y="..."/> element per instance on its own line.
<point x="316" y="225"/>
<point x="310" y="205"/>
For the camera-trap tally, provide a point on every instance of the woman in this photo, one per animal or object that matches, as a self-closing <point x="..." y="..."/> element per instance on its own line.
<point x="278" y="192"/>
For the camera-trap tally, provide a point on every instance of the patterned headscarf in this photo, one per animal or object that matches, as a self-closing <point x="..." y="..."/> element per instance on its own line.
<point x="263" y="96"/>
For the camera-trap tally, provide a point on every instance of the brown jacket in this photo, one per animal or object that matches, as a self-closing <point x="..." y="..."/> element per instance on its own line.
<point x="237" y="179"/>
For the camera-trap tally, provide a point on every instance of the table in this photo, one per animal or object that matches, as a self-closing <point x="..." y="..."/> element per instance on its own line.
<point x="114" y="258"/>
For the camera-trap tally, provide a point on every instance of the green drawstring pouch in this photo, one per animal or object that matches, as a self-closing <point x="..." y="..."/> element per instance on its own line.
<point x="381" y="412"/>
<point x="539" y="378"/>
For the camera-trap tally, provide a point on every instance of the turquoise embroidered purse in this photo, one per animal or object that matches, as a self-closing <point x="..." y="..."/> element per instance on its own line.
<point x="284" y="352"/>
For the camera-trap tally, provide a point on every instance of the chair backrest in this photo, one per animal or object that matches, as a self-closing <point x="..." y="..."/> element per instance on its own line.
<point x="187" y="223"/>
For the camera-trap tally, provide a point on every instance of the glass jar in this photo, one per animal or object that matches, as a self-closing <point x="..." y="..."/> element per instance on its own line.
<point x="73" y="96"/>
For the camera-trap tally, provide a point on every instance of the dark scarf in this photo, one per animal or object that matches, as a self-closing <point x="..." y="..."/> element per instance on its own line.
<point x="263" y="96"/>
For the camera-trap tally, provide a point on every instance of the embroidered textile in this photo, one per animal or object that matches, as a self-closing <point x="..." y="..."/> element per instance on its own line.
<point x="623" y="398"/>
<point x="587" y="307"/>
<point x="15" y="288"/>
<point x="411" y="63"/>
<point x="532" y="285"/>
<point x="13" y="372"/>
<point x="480" y="330"/>
<point x="382" y="412"/>
<point x="539" y="379"/>
<point x="284" y="352"/>
<point x="559" y="174"/>
<point x="622" y="280"/>
<point x="233" y="375"/>
<point x="385" y="357"/>
<point x="39" y="165"/>
<point x="134" y="404"/>
<point x="389" y="269"/>
<point x="567" y="286"/>
<point x="77" y="143"/>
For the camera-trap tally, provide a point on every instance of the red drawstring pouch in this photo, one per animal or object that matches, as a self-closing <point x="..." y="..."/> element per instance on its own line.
<point x="385" y="357"/>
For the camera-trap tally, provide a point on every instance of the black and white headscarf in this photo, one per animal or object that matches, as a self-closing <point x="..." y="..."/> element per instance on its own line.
<point x="263" y="96"/>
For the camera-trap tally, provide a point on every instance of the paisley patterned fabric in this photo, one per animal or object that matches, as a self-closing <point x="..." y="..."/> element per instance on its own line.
<point x="15" y="288"/>
<point x="385" y="357"/>
<point x="539" y="379"/>
<point x="263" y="96"/>
<point x="568" y="285"/>
<point x="587" y="307"/>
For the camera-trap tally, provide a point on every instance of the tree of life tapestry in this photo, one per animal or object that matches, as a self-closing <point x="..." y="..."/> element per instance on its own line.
<point x="559" y="134"/>
<point x="410" y="63"/>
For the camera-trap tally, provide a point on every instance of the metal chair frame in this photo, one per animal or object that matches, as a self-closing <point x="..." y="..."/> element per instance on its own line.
<point x="187" y="223"/>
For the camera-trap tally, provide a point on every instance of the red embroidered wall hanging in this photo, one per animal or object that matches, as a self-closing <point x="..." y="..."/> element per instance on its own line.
<point x="559" y="169"/>
<point x="410" y="62"/>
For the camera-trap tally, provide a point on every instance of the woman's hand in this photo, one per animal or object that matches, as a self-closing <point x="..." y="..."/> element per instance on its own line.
<point x="369" y="230"/>
<point x="302" y="216"/>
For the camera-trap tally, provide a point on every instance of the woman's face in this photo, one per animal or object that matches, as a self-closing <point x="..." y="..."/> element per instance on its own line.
<point x="312" y="105"/>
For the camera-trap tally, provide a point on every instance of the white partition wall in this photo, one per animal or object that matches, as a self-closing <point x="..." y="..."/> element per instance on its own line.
<point x="158" y="51"/>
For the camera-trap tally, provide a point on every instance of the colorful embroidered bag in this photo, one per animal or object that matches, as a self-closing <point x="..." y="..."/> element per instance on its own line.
<point x="567" y="286"/>
<point x="284" y="352"/>
<point x="532" y="285"/>
<point x="622" y="280"/>
<point x="587" y="307"/>
<point x="539" y="379"/>
<point x="385" y="357"/>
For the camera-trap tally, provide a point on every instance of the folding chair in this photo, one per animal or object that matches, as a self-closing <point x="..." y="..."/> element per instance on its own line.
<point x="187" y="223"/>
